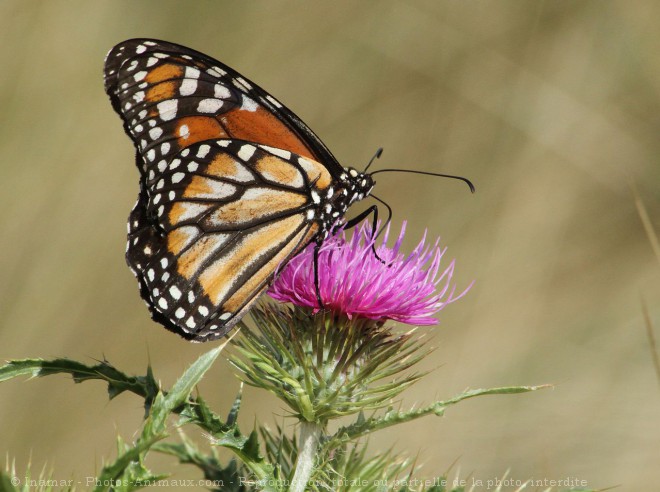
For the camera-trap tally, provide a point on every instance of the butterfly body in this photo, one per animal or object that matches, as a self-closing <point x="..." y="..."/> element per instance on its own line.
<point x="232" y="185"/>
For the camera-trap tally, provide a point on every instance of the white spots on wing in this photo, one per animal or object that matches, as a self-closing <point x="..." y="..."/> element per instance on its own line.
<point x="164" y="262"/>
<point x="155" y="292"/>
<point x="203" y="310"/>
<point x="310" y="214"/>
<point x="140" y="76"/>
<point x="152" y="61"/>
<point x="184" y="132"/>
<point x="143" y="114"/>
<point x="189" y="84"/>
<point x="175" y="163"/>
<point x="165" y="277"/>
<point x="160" y="184"/>
<point x="180" y="313"/>
<point x="150" y="43"/>
<point x="216" y="72"/>
<point x="284" y="154"/>
<point x="132" y="66"/>
<point x="140" y="49"/>
<point x="328" y="208"/>
<point x="157" y="199"/>
<point x="221" y="91"/>
<point x="151" y="123"/>
<point x="330" y="192"/>
<point x="175" y="292"/>
<point x="172" y="195"/>
<point x="315" y="197"/>
<point x="223" y="143"/>
<point x="162" y="303"/>
<point x="224" y="316"/>
<point x="243" y="83"/>
<point x="161" y="209"/>
<point x="191" y="296"/>
<point x="151" y="274"/>
<point x="190" y="323"/>
<point x="191" y="73"/>
<point x="185" y="152"/>
<point x="155" y="132"/>
<point x="151" y="155"/>
<point x="193" y="166"/>
<point x="139" y="96"/>
<point x="249" y="104"/>
<point x="161" y="55"/>
<point x="165" y="148"/>
<point x="138" y="128"/>
<point x="353" y="173"/>
<point x="246" y="151"/>
<point x="167" y="109"/>
<point x="203" y="151"/>
<point x="209" y="105"/>
<point x="177" y="177"/>
<point x="275" y="102"/>
<point x="188" y="87"/>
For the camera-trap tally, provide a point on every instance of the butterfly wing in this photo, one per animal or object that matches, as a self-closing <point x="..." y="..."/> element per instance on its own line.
<point x="171" y="97"/>
<point x="209" y="231"/>
<point x="229" y="181"/>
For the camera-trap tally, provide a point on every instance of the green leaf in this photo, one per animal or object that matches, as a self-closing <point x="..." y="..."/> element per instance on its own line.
<point x="118" y="382"/>
<point x="362" y="426"/>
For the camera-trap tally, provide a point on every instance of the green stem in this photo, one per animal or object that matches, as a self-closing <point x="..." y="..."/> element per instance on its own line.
<point x="310" y="433"/>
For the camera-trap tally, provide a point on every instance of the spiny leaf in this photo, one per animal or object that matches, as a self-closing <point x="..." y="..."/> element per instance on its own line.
<point x="118" y="382"/>
<point x="365" y="426"/>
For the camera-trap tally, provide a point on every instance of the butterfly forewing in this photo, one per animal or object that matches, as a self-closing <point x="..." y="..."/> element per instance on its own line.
<point x="171" y="97"/>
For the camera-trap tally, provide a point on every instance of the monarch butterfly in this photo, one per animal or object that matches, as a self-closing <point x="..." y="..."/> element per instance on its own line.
<point x="232" y="185"/>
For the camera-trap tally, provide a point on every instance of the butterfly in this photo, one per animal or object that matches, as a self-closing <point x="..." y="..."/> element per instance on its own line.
<point x="232" y="185"/>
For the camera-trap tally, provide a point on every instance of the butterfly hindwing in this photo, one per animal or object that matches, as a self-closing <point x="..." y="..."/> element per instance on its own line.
<point x="208" y="233"/>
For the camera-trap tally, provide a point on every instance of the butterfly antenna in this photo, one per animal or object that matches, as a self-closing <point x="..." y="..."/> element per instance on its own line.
<point x="465" y="180"/>
<point x="377" y="155"/>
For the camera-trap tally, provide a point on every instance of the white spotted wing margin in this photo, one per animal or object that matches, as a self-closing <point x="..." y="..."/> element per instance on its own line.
<point x="207" y="235"/>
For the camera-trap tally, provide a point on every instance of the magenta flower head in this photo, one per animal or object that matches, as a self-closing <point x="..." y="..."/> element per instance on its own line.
<point x="353" y="281"/>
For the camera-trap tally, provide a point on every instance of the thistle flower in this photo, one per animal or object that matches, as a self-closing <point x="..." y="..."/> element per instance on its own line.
<point x="353" y="281"/>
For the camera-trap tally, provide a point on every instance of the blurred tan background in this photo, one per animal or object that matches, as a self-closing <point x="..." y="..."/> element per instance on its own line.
<point x="551" y="108"/>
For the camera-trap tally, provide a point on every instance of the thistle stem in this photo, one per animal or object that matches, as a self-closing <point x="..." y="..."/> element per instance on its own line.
<point x="310" y="432"/>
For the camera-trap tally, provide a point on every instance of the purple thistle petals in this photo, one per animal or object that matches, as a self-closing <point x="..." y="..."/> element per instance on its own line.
<point x="354" y="282"/>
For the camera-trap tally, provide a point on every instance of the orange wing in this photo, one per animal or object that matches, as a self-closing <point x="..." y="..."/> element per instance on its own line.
<point x="227" y="214"/>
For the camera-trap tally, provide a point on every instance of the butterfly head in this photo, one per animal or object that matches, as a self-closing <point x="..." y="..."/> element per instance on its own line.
<point x="359" y="184"/>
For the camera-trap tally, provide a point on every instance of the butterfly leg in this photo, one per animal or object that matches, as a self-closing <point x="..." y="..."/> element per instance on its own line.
<point x="374" y="226"/>
<point x="317" y="249"/>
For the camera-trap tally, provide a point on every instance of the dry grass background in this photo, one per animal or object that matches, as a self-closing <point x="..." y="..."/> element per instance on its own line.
<point x="549" y="107"/>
